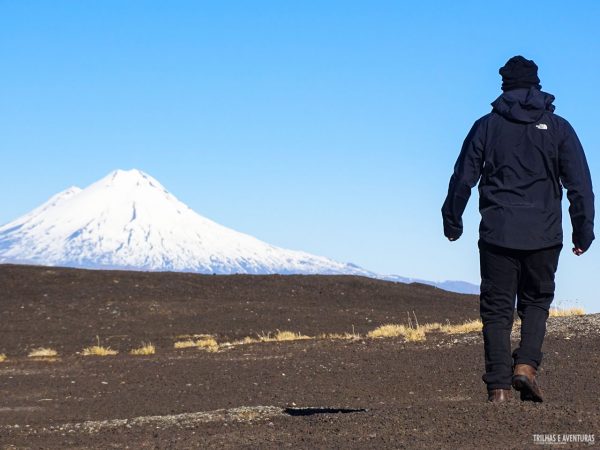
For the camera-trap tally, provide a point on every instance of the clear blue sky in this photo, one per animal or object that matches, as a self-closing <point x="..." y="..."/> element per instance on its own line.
<point x="326" y="126"/>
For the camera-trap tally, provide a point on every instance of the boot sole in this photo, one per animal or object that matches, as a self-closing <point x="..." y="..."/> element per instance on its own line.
<point x="522" y="384"/>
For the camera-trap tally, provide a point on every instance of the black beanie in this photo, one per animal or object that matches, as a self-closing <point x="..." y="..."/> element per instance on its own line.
<point x="519" y="72"/>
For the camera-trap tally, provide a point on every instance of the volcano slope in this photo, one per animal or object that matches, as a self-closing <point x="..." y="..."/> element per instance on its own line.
<point x="312" y="393"/>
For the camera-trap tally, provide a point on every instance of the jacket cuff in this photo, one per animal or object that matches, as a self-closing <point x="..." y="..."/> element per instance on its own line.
<point x="452" y="232"/>
<point x="583" y="242"/>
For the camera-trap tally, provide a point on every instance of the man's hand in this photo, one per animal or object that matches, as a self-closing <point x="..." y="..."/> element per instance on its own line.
<point x="452" y="239"/>
<point x="578" y="251"/>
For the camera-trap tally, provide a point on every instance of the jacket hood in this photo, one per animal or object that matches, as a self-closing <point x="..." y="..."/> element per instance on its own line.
<point x="523" y="105"/>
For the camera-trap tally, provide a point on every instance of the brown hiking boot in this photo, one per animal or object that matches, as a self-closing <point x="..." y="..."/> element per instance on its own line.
<point x="499" y="395"/>
<point x="524" y="381"/>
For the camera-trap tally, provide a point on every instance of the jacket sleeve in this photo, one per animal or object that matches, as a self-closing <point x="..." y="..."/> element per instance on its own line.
<point x="575" y="177"/>
<point x="467" y="171"/>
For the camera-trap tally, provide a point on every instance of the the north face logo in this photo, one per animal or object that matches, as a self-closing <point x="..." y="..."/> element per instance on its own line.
<point x="541" y="126"/>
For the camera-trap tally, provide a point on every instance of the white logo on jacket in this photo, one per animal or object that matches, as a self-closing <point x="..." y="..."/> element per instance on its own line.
<point x="541" y="126"/>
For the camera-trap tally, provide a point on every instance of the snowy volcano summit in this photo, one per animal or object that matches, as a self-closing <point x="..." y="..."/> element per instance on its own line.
<point x="128" y="220"/>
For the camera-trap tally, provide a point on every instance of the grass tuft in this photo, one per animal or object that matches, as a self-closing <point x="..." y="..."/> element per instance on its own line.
<point x="188" y="343"/>
<point x="394" y="330"/>
<point x="565" y="312"/>
<point x="281" y="336"/>
<point x="244" y="341"/>
<point x="145" y="349"/>
<point x="417" y="333"/>
<point x="414" y="334"/>
<point x="42" y="353"/>
<point x="340" y="336"/>
<point x="206" y="342"/>
<point x="192" y="336"/>
<point x="470" y="326"/>
<point x="387" y="330"/>
<point x="97" y="350"/>
<point x="434" y="326"/>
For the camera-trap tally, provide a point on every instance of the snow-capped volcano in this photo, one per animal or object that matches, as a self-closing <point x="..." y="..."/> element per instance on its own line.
<point x="128" y="220"/>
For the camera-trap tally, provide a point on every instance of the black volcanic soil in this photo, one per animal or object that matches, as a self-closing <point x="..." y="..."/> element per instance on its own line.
<point x="372" y="393"/>
<point x="67" y="308"/>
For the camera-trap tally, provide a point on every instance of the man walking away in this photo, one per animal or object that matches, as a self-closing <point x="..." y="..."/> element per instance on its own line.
<point x="522" y="154"/>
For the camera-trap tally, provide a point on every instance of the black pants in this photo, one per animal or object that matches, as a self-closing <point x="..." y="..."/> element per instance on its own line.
<point x="506" y="273"/>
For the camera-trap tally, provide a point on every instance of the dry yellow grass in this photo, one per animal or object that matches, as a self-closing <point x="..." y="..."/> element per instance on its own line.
<point x="395" y="330"/>
<point x="145" y="349"/>
<point x="192" y="336"/>
<point x="188" y="343"/>
<point x="289" y="336"/>
<point x="417" y="333"/>
<point x="97" y="350"/>
<point x="42" y="353"/>
<point x="427" y="327"/>
<point x="564" y="312"/>
<point x="244" y="341"/>
<point x="2" y="357"/>
<point x="461" y="328"/>
<point x="414" y="334"/>
<point x="207" y="343"/>
<point x="280" y="336"/>
<point x="387" y="330"/>
<point x="340" y="336"/>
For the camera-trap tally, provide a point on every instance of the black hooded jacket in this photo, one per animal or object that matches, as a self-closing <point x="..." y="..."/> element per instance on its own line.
<point x="522" y="154"/>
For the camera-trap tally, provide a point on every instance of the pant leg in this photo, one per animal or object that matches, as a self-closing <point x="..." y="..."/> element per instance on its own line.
<point x="535" y="294"/>
<point x="500" y="268"/>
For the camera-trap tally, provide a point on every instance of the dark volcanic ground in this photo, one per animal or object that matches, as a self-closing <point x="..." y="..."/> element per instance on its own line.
<point x="406" y="395"/>
<point x="67" y="308"/>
